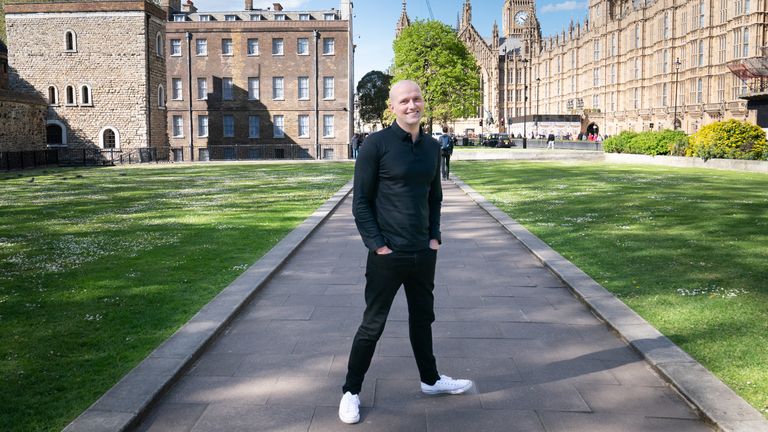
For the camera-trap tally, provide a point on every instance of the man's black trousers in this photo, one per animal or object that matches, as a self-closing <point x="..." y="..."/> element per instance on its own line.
<point x="384" y="275"/>
<point x="446" y="166"/>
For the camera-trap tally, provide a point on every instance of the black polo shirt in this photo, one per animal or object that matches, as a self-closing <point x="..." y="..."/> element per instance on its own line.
<point x="397" y="193"/>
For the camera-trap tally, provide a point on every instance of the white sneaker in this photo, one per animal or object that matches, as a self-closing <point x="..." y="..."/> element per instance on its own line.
<point x="447" y="385"/>
<point x="349" y="408"/>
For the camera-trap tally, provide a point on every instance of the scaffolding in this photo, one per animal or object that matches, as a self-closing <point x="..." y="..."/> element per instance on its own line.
<point x="754" y="73"/>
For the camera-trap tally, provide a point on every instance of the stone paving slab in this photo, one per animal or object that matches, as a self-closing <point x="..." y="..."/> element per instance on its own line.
<point x="541" y="359"/>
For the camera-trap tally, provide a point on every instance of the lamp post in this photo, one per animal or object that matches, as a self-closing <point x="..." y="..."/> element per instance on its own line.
<point x="677" y="72"/>
<point x="525" y="101"/>
<point x="536" y="119"/>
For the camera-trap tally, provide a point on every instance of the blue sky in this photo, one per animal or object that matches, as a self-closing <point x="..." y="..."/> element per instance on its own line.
<point x="374" y="22"/>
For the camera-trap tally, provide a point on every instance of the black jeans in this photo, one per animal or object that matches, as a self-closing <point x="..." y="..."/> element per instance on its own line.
<point x="384" y="274"/>
<point x="446" y="165"/>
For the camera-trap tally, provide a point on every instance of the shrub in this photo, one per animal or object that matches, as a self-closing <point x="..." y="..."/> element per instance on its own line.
<point x="619" y="143"/>
<point x="731" y="139"/>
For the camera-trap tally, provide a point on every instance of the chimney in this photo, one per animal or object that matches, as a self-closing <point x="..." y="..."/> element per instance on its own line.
<point x="248" y="5"/>
<point x="277" y="7"/>
<point x="188" y="7"/>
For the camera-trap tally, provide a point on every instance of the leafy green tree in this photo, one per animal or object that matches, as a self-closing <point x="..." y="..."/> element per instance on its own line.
<point x="431" y="54"/>
<point x="373" y="92"/>
<point x="730" y="139"/>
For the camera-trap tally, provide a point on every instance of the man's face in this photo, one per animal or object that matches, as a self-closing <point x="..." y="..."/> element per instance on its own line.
<point x="407" y="103"/>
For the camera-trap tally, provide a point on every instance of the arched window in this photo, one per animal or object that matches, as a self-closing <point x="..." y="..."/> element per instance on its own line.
<point x="85" y="95"/>
<point x="109" y="138"/>
<point x="53" y="95"/>
<point x="70" y="41"/>
<point x="159" y="49"/>
<point x="160" y="96"/>
<point x="70" y="95"/>
<point x="53" y="134"/>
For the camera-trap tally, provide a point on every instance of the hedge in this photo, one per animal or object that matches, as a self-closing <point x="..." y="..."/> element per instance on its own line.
<point x="730" y="139"/>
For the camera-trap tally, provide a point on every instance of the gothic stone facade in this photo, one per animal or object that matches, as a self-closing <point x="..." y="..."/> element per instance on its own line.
<point x="100" y="66"/>
<point x="619" y="70"/>
<point x="264" y="83"/>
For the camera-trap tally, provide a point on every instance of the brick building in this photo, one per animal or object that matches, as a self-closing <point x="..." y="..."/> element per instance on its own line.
<point x="260" y="83"/>
<point x="100" y="65"/>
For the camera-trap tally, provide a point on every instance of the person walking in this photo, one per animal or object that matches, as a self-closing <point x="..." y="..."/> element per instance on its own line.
<point x="446" y="149"/>
<point x="396" y="205"/>
<point x="355" y="145"/>
<point x="551" y="141"/>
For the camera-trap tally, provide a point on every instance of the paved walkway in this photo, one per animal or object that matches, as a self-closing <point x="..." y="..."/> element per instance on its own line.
<point x="540" y="360"/>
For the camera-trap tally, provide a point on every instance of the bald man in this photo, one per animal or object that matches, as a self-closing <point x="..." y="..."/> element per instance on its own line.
<point x="396" y="204"/>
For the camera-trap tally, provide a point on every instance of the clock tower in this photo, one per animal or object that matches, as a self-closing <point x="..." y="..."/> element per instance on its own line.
<point x="517" y="17"/>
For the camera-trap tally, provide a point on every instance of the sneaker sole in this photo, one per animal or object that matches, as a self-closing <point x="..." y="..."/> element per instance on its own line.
<point x="351" y="420"/>
<point x="453" y="392"/>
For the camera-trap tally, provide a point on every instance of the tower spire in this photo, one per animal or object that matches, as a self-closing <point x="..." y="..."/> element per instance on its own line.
<point x="403" y="22"/>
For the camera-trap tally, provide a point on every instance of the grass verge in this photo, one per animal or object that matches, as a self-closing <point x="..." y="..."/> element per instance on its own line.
<point x="98" y="266"/>
<point x="685" y="248"/>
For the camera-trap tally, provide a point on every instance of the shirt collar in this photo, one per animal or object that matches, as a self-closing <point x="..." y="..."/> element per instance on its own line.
<point x="405" y="135"/>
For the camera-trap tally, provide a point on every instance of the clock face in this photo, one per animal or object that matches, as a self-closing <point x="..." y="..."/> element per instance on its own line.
<point x="521" y="17"/>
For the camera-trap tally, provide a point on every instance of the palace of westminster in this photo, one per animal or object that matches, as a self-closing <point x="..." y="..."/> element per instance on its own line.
<point x="133" y="74"/>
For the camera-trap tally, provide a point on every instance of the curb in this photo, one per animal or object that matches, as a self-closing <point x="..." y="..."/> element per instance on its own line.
<point x="125" y="404"/>
<point x="714" y="400"/>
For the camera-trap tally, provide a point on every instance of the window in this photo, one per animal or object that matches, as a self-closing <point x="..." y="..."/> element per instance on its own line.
<point x="178" y="126"/>
<point x="329" y="16"/>
<point x="277" y="88"/>
<point x="745" y="45"/>
<point x="738" y="7"/>
<point x="684" y="21"/>
<point x="303" y="88"/>
<point x="70" y="94"/>
<point x="202" y="88"/>
<point x="230" y="17"/>
<point x="746" y="6"/>
<point x="204" y="18"/>
<point x="160" y="96"/>
<point x="175" y="47"/>
<point x="303" y="126"/>
<point x="739" y="87"/>
<point x="202" y="125"/>
<point x="637" y="98"/>
<point x="201" y="47"/>
<point x="723" y="11"/>
<point x="328" y="46"/>
<point x="53" y="95"/>
<point x="328" y="88"/>
<point x="613" y="74"/>
<point x="665" y="31"/>
<point x="304" y="17"/>
<point x="328" y="126"/>
<point x="595" y="101"/>
<point x="701" y="53"/>
<point x="179" y="17"/>
<point x="737" y="43"/>
<point x="227" y="86"/>
<point x="159" y="47"/>
<point x="85" y="95"/>
<point x="226" y="47"/>
<point x="253" y="88"/>
<point x="277" y="127"/>
<point x="277" y="46"/>
<point x="721" y="88"/>
<point x="637" y="35"/>
<point x="613" y="44"/>
<point x="302" y="46"/>
<point x="254" y="126"/>
<point x="596" y="77"/>
<point x="176" y="89"/>
<point x="665" y="61"/>
<point x="108" y="139"/>
<point x="256" y="17"/>
<point x="664" y="94"/>
<point x="229" y="125"/>
<point x="701" y="13"/>
<point x="699" y="90"/>
<point x="70" y="41"/>
<point x="721" y="53"/>
<point x="638" y="70"/>
<point x="253" y="47"/>
<point x="596" y="53"/>
<point x="279" y="17"/>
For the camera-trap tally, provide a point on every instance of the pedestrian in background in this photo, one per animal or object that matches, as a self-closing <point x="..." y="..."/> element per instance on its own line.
<point x="446" y="149"/>
<point x="396" y="204"/>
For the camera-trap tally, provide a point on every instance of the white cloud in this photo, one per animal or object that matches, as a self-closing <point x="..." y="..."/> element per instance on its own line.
<point x="564" y="6"/>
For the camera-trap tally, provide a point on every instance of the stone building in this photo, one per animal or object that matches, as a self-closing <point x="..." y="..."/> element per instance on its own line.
<point x="630" y="65"/>
<point x="22" y="116"/>
<point x="260" y="83"/>
<point x="99" y="65"/>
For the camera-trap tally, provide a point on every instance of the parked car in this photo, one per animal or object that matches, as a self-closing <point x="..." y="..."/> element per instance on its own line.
<point x="490" y="140"/>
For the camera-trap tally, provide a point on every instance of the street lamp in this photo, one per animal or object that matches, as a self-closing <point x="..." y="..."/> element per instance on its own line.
<point x="536" y="119"/>
<point x="677" y="72"/>
<point x="525" y="101"/>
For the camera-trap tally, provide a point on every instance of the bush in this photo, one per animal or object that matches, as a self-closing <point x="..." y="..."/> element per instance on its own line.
<point x="731" y="139"/>
<point x="619" y="143"/>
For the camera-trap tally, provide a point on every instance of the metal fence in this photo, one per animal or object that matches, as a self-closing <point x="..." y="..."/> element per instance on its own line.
<point x="271" y="152"/>
<point x="20" y="160"/>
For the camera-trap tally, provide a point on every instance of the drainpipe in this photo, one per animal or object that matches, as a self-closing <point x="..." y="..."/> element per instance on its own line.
<point x="189" y="92"/>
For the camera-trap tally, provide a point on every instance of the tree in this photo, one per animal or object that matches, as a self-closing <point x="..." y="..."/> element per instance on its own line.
<point x="372" y="93"/>
<point x="431" y="54"/>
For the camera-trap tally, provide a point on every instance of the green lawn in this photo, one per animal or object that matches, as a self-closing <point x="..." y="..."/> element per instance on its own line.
<point x="98" y="266"/>
<point x="685" y="248"/>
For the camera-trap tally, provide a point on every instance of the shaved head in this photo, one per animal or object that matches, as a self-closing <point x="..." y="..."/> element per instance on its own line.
<point x="407" y="103"/>
<point x="401" y="85"/>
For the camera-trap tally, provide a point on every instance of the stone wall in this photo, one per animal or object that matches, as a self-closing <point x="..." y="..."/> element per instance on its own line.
<point x="22" y="122"/>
